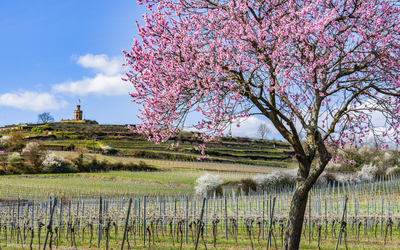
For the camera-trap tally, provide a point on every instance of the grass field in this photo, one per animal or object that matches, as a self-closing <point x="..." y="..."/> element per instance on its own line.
<point x="243" y="243"/>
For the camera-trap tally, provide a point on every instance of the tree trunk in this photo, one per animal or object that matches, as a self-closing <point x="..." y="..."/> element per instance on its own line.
<point x="305" y="180"/>
<point x="296" y="218"/>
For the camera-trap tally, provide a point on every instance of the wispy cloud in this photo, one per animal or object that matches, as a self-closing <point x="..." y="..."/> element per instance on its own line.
<point x="35" y="101"/>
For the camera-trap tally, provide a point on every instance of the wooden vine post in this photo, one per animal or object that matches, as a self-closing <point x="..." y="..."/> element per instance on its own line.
<point x="126" y="223"/>
<point x="49" y="229"/>
<point x="270" y="223"/>
<point x="200" y="222"/>
<point x="100" y="221"/>
<point x="343" y="223"/>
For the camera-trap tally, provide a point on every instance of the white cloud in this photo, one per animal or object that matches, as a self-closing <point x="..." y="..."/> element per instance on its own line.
<point x="102" y="64"/>
<point x="247" y="128"/>
<point x="106" y="82"/>
<point x="34" y="101"/>
<point x="250" y="126"/>
<point x="100" y="84"/>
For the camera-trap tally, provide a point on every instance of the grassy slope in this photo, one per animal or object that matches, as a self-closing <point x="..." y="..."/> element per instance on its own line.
<point x="243" y="154"/>
<point x="240" y="150"/>
<point x="176" y="176"/>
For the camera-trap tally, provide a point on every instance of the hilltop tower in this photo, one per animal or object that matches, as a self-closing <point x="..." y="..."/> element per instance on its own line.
<point x="78" y="113"/>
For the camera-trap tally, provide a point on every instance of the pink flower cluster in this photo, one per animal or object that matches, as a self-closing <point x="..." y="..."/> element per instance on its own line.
<point x="330" y="65"/>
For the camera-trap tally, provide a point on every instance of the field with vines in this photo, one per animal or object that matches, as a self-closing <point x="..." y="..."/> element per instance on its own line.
<point x="159" y="210"/>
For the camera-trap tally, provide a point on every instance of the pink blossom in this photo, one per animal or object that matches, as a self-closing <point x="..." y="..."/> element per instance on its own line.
<point x="192" y="56"/>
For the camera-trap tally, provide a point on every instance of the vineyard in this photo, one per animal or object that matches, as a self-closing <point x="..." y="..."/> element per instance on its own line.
<point x="358" y="216"/>
<point x="155" y="205"/>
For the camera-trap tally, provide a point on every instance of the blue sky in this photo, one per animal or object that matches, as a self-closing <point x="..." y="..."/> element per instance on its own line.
<point x="53" y="53"/>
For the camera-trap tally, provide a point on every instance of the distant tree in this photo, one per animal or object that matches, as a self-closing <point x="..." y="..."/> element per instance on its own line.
<point x="263" y="130"/>
<point x="45" y="117"/>
<point x="15" y="141"/>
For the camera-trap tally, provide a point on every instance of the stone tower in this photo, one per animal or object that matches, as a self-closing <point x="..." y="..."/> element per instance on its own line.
<point x="78" y="113"/>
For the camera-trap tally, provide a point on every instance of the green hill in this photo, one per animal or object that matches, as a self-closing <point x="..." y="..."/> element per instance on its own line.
<point x="123" y="142"/>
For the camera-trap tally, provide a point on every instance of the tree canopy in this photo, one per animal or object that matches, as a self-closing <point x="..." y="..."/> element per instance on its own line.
<point x="319" y="67"/>
<point x="324" y="64"/>
<point x="45" y="117"/>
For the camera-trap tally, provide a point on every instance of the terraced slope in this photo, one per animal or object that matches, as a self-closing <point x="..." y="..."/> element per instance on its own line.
<point x="125" y="143"/>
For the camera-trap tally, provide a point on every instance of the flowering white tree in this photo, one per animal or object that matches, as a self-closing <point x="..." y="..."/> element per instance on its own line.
<point x="106" y="149"/>
<point x="3" y="141"/>
<point x="276" y="178"/>
<point x="320" y="67"/>
<point x="207" y="184"/>
<point x="367" y="173"/>
<point x="55" y="164"/>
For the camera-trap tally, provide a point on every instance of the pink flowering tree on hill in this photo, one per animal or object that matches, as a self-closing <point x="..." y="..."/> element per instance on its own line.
<point x="322" y="67"/>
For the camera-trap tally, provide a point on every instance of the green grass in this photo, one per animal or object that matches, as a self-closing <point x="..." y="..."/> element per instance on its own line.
<point x="149" y="149"/>
<point x="243" y="241"/>
<point x="90" y="184"/>
<point x="248" y="154"/>
<point x="178" y="174"/>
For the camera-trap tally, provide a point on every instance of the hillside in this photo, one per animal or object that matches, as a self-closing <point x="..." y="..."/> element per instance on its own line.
<point x="119" y="140"/>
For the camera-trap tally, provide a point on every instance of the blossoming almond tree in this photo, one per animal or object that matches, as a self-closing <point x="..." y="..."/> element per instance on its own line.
<point x="318" y="66"/>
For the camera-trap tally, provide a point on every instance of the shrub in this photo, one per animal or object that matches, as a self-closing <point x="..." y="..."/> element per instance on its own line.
<point x="207" y="184"/>
<point x="70" y="146"/>
<point x="246" y="185"/>
<point x="3" y="141"/>
<point x="78" y="162"/>
<point x="105" y="165"/>
<point x="15" y="141"/>
<point x="109" y="150"/>
<point x="55" y="164"/>
<point x="367" y="173"/>
<point x="33" y="153"/>
<point x="142" y="164"/>
<point x="393" y="171"/>
<point x="31" y="146"/>
<point x="332" y="166"/>
<point x="37" y="130"/>
<point x="277" y="178"/>
<point x="14" y="158"/>
<point x="344" y="178"/>
<point x="46" y="126"/>
<point x="327" y="178"/>
<point x="381" y="173"/>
